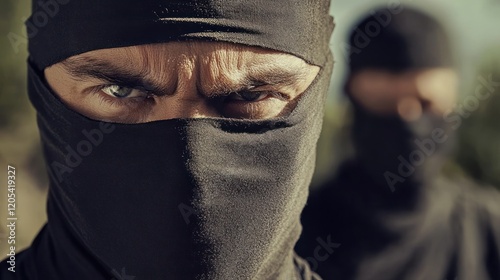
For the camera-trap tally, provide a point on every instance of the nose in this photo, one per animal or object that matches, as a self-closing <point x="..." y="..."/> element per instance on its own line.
<point x="187" y="100"/>
<point x="438" y="88"/>
<point x="433" y="91"/>
<point x="411" y="103"/>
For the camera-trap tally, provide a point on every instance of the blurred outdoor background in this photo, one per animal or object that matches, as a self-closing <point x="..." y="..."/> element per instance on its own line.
<point x="475" y="25"/>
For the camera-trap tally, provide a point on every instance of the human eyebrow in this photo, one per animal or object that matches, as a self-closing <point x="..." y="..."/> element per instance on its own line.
<point x="260" y="78"/>
<point x="82" y="69"/>
<point x="277" y="76"/>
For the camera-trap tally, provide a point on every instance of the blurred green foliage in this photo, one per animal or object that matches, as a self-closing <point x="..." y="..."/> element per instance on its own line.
<point x="19" y="144"/>
<point x="13" y="98"/>
<point x="479" y="137"/>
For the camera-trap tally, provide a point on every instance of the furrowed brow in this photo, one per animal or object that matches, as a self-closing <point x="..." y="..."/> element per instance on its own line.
<point x="82" y="69"/>
<point x="277" y="76"/>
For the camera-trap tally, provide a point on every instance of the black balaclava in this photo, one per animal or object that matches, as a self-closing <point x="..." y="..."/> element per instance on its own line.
<point x="404" y="41"/>
<point x="208" y="198"/>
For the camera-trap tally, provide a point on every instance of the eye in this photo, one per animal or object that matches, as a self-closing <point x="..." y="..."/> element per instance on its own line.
<point x="257" y="104"/>
<point x="122" y="92"/>
<point x="248" y="96"/>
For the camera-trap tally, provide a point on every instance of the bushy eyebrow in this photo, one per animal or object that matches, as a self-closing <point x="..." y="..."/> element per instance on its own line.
<point x="84" y="68"/>
<point x="278" y="76"/>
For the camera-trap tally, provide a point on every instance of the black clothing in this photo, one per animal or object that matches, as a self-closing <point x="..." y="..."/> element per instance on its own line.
<point x="393" y="217"/>
<point x="443" y="230"/>
<point x="395" y="152"/>
<point x="210" y="198"/>
<point x="387" y="210"/>
<point x="301" y="28"/>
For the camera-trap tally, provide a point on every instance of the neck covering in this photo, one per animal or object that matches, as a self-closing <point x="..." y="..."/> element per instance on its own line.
<point x="208" y="198"/>
<point x="397" y="154"/>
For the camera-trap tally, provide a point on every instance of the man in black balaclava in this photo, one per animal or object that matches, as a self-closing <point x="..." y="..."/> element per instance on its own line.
<point x="179" y="137"/>
<point x="389" y="214"/>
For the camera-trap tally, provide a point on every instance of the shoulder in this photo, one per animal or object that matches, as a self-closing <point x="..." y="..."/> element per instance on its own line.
<point x="482" y="207"/>
<point x="476" y="220"/>
<point x="476" y="201"/>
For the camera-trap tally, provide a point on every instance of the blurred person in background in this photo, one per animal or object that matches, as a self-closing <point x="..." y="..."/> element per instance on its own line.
<point x="389" y="214"/>
<point x="179" y="137"/>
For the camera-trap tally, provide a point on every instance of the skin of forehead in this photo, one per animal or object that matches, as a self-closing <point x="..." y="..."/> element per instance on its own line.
<point x="223" y="64"/>
<point x="181" y="69"/>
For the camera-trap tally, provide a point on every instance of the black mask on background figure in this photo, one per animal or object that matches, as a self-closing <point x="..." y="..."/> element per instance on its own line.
<point x="398" y="153"/>
<point x="181" y="198"/>
<point x="404" y="41"/>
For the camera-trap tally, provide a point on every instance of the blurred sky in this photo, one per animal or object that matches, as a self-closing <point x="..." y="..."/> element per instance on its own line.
<point x="474" y="26"/>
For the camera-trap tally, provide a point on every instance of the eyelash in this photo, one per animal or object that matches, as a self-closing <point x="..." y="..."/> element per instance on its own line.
<point x="117" y="102"/>
<point x="123" y="101"/>
<point x="223" y="102"/>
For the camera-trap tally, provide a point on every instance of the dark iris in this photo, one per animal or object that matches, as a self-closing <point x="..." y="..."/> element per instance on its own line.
<point x="250" y="96"/>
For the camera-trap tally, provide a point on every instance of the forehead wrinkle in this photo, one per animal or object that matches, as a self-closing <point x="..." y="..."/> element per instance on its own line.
<point x="84" y="67"/>
<point x="223" y="70"/>
<point x="137" y="63"/>
<point x="107" y="64"/>
<point x="156" y="62"/>
<point x="279" y="70"/>
<point x="186" y="72"/>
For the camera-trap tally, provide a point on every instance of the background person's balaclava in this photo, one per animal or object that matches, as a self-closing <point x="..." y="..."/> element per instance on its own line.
<point x="408" y="40"/>
<point x="180" y="198"/>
